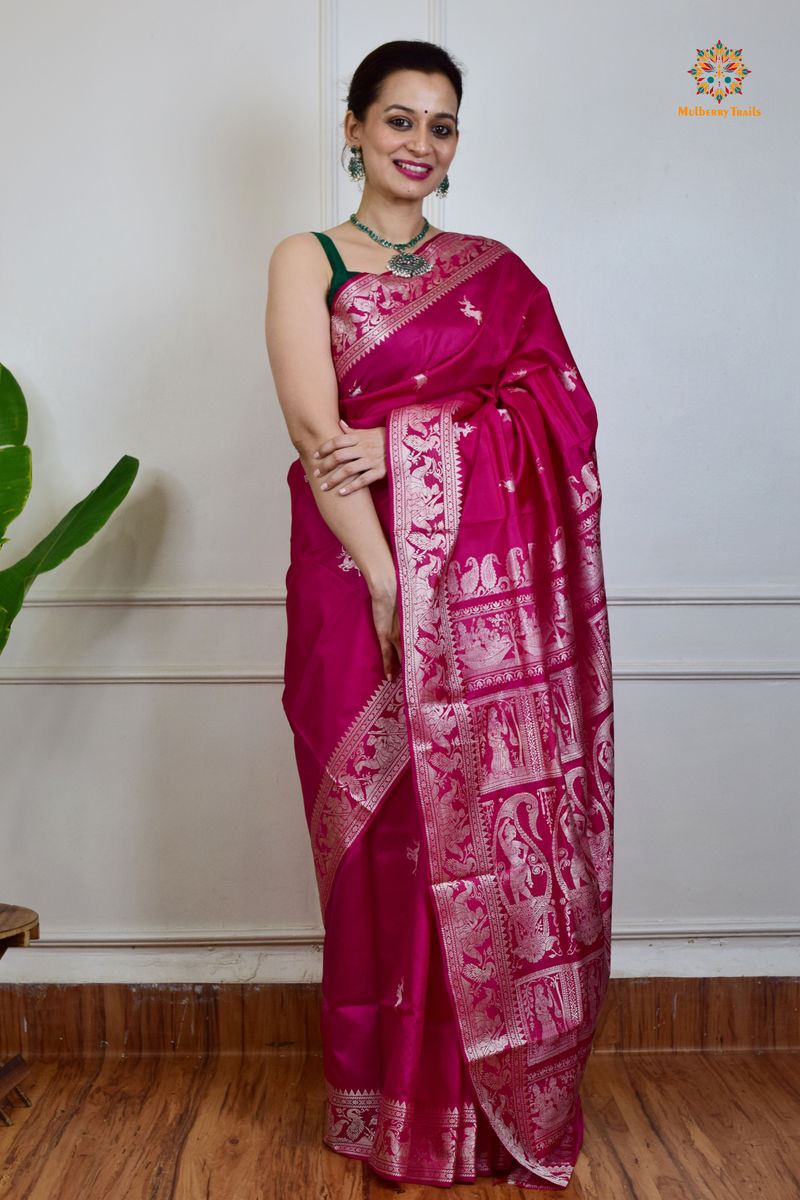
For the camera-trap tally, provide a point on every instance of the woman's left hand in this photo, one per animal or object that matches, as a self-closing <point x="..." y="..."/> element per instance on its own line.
<point x="353" y="460"/>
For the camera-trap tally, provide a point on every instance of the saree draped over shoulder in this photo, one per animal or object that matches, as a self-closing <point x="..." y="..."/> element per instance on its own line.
<point x="460" y="814"/>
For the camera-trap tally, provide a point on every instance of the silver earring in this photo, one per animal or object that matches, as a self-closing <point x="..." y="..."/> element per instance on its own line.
<point x="443" y="188"/>
<point x="356" y="165"/>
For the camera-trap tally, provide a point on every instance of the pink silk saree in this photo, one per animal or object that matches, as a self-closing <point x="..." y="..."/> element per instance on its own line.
<point x="460" y="814"/>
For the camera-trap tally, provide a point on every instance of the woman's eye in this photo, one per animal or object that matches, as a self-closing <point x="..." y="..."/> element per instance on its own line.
<point x="440" y="131"/>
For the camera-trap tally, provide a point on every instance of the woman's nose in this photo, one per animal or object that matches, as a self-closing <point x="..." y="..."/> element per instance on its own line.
<point x="420" y="142"/>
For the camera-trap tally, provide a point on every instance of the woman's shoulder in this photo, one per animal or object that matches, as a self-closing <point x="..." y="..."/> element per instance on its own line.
<point x="483" y="244"/>
<point x="297" y="249"/>
<point x="496" y="250"/>
<point x="299" y="265"/>
<point x="477" y="237"/>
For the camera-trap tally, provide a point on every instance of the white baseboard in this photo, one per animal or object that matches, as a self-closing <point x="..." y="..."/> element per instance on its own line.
<point x="699" y="950"/>
<point x="705" y="957"/>
<point x="146" y="960"/>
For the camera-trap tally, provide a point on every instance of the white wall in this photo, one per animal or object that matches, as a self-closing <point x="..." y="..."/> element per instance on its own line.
<point x="152" y="155"/>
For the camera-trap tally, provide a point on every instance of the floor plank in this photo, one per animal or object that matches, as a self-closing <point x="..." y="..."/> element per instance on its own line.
<point x="658" y="1127"/>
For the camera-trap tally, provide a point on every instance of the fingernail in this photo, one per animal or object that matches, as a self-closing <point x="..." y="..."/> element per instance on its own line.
<point x="316" y="472"/>
<point x="342" y="491"/>
<point x="316" y="454"/>
<point x="324" y="487"/>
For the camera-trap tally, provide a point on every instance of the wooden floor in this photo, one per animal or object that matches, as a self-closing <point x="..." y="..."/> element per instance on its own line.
<point x="658" y="1127"/>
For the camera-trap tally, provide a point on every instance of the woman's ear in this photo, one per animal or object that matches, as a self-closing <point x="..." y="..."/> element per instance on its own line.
<point x="352" y="129"/>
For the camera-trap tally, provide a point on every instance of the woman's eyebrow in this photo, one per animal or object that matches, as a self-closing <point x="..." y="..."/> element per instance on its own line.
<point x="403" y="108"/>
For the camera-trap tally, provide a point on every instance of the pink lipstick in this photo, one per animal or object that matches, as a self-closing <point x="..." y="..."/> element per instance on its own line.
<point x="412" y="170"/>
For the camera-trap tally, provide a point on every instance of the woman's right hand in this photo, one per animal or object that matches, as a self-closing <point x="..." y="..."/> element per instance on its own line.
<point x="386" y="615"/>
<point x="355" y="459"/>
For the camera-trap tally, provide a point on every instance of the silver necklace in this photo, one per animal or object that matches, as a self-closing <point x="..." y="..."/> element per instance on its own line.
<point x="403" y="264"/>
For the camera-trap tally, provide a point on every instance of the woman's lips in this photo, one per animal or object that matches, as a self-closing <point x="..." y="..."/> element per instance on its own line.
<point x="412" y="170"/>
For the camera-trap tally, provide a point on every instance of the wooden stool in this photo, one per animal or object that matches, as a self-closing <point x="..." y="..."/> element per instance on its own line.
<point x="18" y="927"/>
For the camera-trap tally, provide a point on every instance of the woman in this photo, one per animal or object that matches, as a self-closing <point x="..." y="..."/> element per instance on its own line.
<point x="447" y="668"/>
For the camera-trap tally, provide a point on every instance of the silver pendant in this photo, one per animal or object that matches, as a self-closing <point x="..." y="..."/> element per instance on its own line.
<point x="405" y="265"/>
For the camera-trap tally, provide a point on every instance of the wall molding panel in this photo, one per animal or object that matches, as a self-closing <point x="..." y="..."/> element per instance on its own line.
<point x="114" y="675"/>
<point x="329" y="164"/>
<point x="729" y="672"/>
<point x="207" y="636"/>
<point x="195" y="598"/>
<point x="703" y="597"/>
<point x="182" y="939"/>
<point x="690" y="949"/>
<point x="276" y="597"/>
<point x="437" y="22"/>
<point x="776" y="927"/>
<point x="623" y="673"/>
<point x="435" y="208"/>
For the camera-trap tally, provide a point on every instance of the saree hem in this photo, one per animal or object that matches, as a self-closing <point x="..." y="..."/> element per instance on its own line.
<point x="518" y="1176"/>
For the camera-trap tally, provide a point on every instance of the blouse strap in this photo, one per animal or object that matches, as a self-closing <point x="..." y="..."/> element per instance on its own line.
<point x="340" y="271"/>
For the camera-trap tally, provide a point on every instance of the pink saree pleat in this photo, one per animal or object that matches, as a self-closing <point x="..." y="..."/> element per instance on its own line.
<point x="398" y="1091"/>
<point x="460" y="815"/>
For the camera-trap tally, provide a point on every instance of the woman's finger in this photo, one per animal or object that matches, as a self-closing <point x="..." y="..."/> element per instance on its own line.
<point x="347" y="476"/>
<point x="336" y="444"/>
<point x="387" y="651"/>
<point x="361" y="481"/>
<point x="384" y="614"/>
<point x="356" y="466"/>
<point x="395" y="635"/>
<point x="397" y="650"/>
<point x="332" y="461"/>
<point x="344" y="474"/>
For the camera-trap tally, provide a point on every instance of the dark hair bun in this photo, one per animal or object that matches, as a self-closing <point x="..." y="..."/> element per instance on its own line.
<point x="379" y="64"/>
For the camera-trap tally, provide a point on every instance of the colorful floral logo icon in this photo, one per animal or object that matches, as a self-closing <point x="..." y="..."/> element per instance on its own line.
<point x="719" y="72"/>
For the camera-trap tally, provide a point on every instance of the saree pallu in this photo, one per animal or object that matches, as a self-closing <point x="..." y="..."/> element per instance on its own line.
<point x="461" y="813"/>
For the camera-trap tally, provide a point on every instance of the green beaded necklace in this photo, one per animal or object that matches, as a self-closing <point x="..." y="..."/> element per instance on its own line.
<point x="403" y="264"/>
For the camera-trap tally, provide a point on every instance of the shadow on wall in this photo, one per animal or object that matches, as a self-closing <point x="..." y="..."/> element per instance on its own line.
<point x="120" y="563"/>
<point x="125" y="557"/>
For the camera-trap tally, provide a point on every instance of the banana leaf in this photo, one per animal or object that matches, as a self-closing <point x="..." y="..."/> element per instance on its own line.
<point x="15" y="484"/>
<point x="13" y="410"/>
<point x="15" y="459"/>
<point x="74" y="530"/>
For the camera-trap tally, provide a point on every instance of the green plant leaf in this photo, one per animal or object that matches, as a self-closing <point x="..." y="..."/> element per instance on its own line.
<point x="74" y="530"/>
<point x="13" y="410"/>
<point x="15" y="484"/>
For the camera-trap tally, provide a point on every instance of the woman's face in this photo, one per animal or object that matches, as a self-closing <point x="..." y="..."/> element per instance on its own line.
<point x="409" y="135"/>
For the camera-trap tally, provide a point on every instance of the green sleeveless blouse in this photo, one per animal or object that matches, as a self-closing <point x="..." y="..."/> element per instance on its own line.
<point x="340" y="271"/>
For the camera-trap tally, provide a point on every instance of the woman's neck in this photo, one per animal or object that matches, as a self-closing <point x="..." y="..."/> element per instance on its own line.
<point x="397" y="221"/>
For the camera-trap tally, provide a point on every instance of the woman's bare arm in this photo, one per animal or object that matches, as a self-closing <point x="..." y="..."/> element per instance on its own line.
<point x="298" y="341"/>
